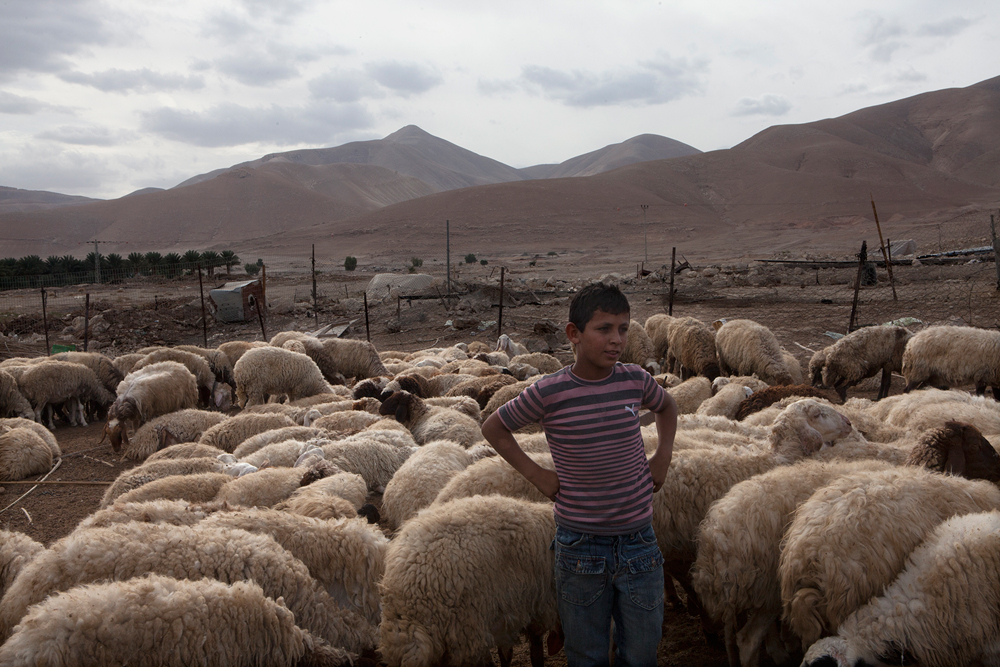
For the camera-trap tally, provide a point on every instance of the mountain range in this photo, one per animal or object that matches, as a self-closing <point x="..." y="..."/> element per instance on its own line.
<point x="928" y="160"/>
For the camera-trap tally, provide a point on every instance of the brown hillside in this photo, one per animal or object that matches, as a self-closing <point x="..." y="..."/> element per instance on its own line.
<point x="643" y="148"/>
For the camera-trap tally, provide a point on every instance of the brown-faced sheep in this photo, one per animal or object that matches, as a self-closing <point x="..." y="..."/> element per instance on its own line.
<point x="428" y="423"/>
<point x="146" y="394"/>
<point x="770" y="395"/>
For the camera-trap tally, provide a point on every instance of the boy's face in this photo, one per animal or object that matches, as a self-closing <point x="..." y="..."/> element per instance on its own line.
<point x="599" y="345"/>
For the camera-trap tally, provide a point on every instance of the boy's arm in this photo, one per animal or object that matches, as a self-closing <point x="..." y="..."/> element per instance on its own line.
<point x="666" y="427"/>
<point x="503" y="441"/>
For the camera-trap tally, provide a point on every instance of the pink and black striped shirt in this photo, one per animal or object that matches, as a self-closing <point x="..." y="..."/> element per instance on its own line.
<point x="592" y="427"/>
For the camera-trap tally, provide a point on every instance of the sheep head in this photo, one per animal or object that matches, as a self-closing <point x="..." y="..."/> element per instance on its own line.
<point x="222" y="396"/>
<point x="123" y="410"/>
<point x="958" y="449"/>
<point x="317" y="470"/>
<point x="372" y="387"/>
<point x="166" y="439"/>
<point x="828" y="652"/>
<point x="401" y="405"/>
<point x="805" y="426"/>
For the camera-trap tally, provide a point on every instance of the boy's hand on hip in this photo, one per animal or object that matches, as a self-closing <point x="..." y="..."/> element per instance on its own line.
<point x="658" y="470"/>
<point x="548" y="483"/>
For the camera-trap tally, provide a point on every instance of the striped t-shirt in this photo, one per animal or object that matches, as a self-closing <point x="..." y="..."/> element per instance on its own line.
<point x="592" y="428"/>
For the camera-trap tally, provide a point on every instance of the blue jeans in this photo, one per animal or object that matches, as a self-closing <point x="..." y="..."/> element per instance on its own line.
<point x="605" y="577"/>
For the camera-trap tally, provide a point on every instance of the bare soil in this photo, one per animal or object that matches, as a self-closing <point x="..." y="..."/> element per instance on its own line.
<point x="796" y="307"/>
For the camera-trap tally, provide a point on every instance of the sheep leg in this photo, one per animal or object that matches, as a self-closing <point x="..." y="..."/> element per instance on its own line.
<point x="883" y="389"/>
<point x="81" y="413"/>
<point x="536" y="649"/>
<point x="980" y="388"/>
<point x="671" y="599"/>
<point x="996" y="393"/>
<point x="750" y="638"/>
<point x="842" y="392"/>
<point x="506" y="655"/>
<point x="732" y="650"/>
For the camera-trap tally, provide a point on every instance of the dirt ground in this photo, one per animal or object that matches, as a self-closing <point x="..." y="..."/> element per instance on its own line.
<point x="797" y="308"/>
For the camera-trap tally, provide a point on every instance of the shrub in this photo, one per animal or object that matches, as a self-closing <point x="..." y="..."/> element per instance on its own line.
<point x="470" y="259"/>
<point x="251" y="269"/>
<point x="483" y="262"/>
<point x="552" y="253"/>
<point x="416" y="261"/>
<point x="350" y="263"/>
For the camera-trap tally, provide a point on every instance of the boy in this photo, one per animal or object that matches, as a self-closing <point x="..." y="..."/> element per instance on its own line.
<point x="607" y="562"/>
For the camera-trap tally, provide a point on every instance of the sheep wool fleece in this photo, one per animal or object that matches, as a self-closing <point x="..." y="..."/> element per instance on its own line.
<point x="592" y="427"/>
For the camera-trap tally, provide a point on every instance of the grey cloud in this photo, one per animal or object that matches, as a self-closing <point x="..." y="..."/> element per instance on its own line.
<point x="25" y="106"/>
<point x="404" y="78"/>
<point x="123" y="81"/>
<point x="85" y="136"/>
<point x="944" y="28"/>
<point x="495" y="86"/>
<point x="909" y="75"/>
<point x="55" y="170"/>
<point x="254" y="70"/>
<point x="882" y="38"/>
<point x="765" y="105"/>
<point x="853" y="89"/>
<point x="39" y="35"/>
<point x="343" y="86"/>
<point x="651" y="82"/>
<point x="232" y="125"/>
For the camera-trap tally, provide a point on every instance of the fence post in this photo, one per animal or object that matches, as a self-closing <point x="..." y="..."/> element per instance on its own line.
<point x="862" y="258"/>
<point x="86" y="322"/>
<point x="204" y="320"/>
<point x="368" y="331"/>
<point x="500" y="317"/>
<point x="447" y="253"/>
<point x="45" y="323"/>
<point x="315" y="302"/>
<point x="260" y="318"/>
<point x="885" y="252"/>
<point x="996" y="249"/>
<point x="673" y="262"/>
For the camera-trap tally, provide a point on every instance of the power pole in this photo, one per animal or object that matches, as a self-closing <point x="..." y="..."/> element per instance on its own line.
<point x="97" y="263"/>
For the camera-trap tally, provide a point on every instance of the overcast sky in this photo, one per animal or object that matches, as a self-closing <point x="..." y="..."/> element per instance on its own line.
<point x="101" y="98"/>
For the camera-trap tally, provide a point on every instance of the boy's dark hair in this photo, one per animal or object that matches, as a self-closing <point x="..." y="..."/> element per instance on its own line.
<point x="594" y="297"/>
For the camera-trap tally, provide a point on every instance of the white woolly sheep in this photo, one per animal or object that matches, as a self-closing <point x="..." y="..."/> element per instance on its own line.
<point x="346" y="420"/>
<point x="793" y="366"/>
<point x="149" y="471"/>
<point x="439" y="605"/>
<point x="181" y="426"/>
<point x="312" y="347"/>
<point x="284" y="454"/>
<point x="691" y="345"/>
<point x="944" y="356"/>
<point x="52" y="382"/>
<point x="507" y="345"/>
<point x="103" y="366"/>
<point x="735" y="573"/>
<point x="253" y="443"/>
<point x="12" y="401"/>
<point x="146" y="394"/>
<point x="699" y="477"/>
<point x="235" y="349"/>
<point x="325" y="498"/>
<point x="347" y="557"/>
<point x="816" y="363"/>
<point x="464" y="404"/>
<point x="273" y="371"/>
<point x="157" y="620"/>
<point x="726" y="401"/>
<point x="503" y="395"/>
<point x="691" y="393"/>
<point x="23" y="453"/>
<point x="270" y="486"/>
<point x="851" y="538"/>
<point x="217" y="360"/>
<point x="184" y="450"/>
<point x="124" y="362"/>
<point x="428" y="423"/>
<point x="494" y="476"/>
<point x="862" y="354"/>
<point x="480" y="388"/>
<point x="638" y="349"/>
<point x="16" y="551"/>
<point x="354" y="358"/>
<point x="229" y="434"/>
<point x="417" y="482"/>
<point x="42" y="432"/>
<point x="932" y="407"/>
<point x="748" y="348"/>
<point x="132" y="549"/>
<point x="940" y="611"/>
<point x="545" y="363"/>
<point x="656" y="329"/>
<point x="196" y="488"/>
<point x="173" y="512"/>
<point x="369" y="456"/>
<point x="198" y="366"/>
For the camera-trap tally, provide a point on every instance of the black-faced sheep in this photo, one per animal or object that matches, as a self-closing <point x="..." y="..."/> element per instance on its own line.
<point x="428" y="423"/>
<point x="768" y="396"/>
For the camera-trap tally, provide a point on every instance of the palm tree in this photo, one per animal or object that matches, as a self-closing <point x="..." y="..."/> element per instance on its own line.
<point x="229" y="258"/>
<point x="173" y="261"/>
<point x="53" y="264"/>
<point x="154" y="259"/>
<point x="136" y="260"/>
<point x="31" y="265"/>
<point x="191" y="259"/>
<point x="211" y="259"/>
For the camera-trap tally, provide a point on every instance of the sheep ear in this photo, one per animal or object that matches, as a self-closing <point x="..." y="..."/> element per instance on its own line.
<point x="402" y="411"/>
<point x="812" y="441"/>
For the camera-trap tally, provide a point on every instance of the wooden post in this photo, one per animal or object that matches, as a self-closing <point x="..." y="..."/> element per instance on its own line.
<point x="204" y="320"/>
<point x="368" y="331"/>
<point x="399" y="301"/>
<point x="862" y="258"/>
<point x="45" y="323"/>
<point x="260" y="318"/>
<point x="86" y="322"/>
<point x="500" y="317"/>
<point x="673" y="263"/>
<point x="447" y="252"/>
<point x="885" y="253"/>
<point x="263" y="286"/>
<point x="996" y="249"/>
<point x="315" y="302"/>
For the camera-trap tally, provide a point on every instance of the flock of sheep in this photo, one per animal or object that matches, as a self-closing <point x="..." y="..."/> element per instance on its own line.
<point x="861" y="532"/>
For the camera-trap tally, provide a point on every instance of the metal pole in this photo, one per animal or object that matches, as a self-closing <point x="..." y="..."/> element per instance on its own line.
<point x="315" y="306"/>
<point x="204" y="321"/>
<point x="86" y="322"/>
<point x="862" y="258"/>
<point x="45" y="323"/>
<point x="500" y="317"/>
<point x="673" y="262"/>
<point x="368" y="331"/>
<point x="885" y="254"/>
<point x="645" y="244"/>
<point x="447" y="252"/>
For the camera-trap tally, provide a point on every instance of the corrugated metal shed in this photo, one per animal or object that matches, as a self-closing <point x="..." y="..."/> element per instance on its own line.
<point x="237" y="302"/>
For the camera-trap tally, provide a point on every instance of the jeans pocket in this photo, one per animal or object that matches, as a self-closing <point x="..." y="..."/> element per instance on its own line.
<point x="581" y="579"/>
<point x="645" y="577"/>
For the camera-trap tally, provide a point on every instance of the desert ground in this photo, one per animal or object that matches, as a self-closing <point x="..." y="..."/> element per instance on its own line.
<point x="799" y="304"/>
